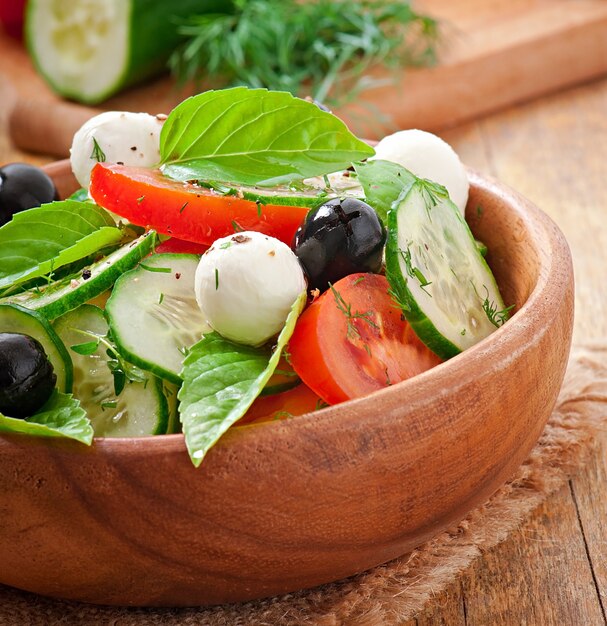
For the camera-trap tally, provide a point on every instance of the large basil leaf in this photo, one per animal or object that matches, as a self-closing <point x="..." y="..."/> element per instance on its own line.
<point x="221" y="379"/>
<point x="61" y="416"/>
<point x="38" y="241"/>
<point x="255" y="137"/>
<point x="384" y="183"/>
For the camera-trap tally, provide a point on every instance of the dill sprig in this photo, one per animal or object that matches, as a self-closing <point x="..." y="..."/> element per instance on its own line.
<point x="320" y="48"/>
<point x="346" y="308"/>
<point x="495" y="316"/>
<point x="122" y="371"/>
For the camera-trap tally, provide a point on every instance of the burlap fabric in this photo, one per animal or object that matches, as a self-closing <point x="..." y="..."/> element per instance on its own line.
<point x="396" y="591"/>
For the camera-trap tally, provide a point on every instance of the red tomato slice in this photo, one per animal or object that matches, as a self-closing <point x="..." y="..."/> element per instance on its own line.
<point x="353" y="340"/>
<point x="183" y="210"/>
<point x="296" y="401"/>
<point x="179" y="246"/>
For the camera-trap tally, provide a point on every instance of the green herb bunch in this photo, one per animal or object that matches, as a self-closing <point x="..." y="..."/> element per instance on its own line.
<point x="317" y="48"/>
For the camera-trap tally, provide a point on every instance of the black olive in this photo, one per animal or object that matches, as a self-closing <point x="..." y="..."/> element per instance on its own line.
<point x="26" y="375"/>
<point x="338" y="238"/>
<point x="23" y="186"/>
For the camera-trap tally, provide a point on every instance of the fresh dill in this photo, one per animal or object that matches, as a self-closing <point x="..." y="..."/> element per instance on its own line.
<point x="185" y="204"/>
<point x="497" y="318"/>
<point x="140" y="199"/>
<point x="216" y="279"/>
<point x="121" y="370"/>
<point x="322" y="48"/>
<point x="494" y="315"/>
<point x="399" y="303"/>
<point x="97" y="154"/>
<point x="161" y="298"/>
<point x="346" y="309"/>
<point x="414" y="272"/>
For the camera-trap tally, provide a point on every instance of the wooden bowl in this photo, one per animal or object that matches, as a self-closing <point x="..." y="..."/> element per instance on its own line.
<point x="287" y="505"/>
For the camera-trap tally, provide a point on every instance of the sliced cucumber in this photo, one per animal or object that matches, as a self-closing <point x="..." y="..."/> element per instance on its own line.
<point x="16" y="319"/>
<point x="313" y="192"/>
<point x="59" y="297"/>
<point x="446" y="289"/>
<point x="154" y="316"/>
<point x="170" y="393"/>
<point x="141" y="409"/>
<point x="88" y="50"/>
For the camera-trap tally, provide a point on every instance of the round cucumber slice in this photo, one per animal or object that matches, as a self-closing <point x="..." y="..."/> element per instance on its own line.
<point x="153" y="314"/>
<point x="88" y="50"/>
<point x="61" y="296"/>
<point x="438" y="274"/>
<point x="141" y="409"/>
<point x="17" y="319"/>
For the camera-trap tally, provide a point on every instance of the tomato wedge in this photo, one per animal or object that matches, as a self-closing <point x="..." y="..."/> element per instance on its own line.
<point x="296" y="401"/>
<point x="147" y="198"/>
<point x="353" y="340"/>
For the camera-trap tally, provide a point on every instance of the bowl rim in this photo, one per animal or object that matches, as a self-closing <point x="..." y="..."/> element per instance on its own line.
<point x="546" y="238"/>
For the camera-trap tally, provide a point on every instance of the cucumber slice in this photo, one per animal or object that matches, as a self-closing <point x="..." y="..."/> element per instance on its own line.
<point x="434" y="266"/>
<point x="141" y="409"/>
<point x="16" y="319"/>
<point x="154" y="316"/>
<point x="59" y="297"/>
<point x="88" y="50"/>
<point x="170" y="393"/>
<point x="313" y="192"/>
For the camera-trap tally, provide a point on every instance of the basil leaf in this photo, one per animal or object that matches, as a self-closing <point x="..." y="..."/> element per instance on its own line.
<point x="61" y="416"/>
<point x="383" y="182"/>
<point x="38" y="241"/>
<point x="255" y="137"/>
<point x="221" y="379"/>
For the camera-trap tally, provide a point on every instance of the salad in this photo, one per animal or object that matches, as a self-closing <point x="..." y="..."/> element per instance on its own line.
<point x="243" y="259"/>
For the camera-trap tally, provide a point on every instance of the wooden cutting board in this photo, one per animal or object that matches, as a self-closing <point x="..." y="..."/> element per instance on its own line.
<point x="494" y="53"/>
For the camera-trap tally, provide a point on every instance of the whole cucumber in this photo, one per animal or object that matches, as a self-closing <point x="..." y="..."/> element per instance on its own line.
<point x="88" y="50"/>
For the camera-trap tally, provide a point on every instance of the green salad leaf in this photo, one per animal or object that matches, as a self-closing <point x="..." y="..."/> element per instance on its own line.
<point x="255" y="137"/>
<point x="384" y="184"/>
<point x="221" y="379"/>
<point x="38" y="241"/>
<point x="61" y="416"/>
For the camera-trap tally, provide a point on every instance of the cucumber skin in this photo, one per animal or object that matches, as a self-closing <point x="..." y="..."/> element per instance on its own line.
<point x="53" y="338"/>
<point x="72" y="298"/>
<point x="152" y="38"/>
<point x="419" y="322"/>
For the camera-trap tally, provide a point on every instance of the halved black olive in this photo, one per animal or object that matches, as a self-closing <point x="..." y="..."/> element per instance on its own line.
<point x="27" y="378"/>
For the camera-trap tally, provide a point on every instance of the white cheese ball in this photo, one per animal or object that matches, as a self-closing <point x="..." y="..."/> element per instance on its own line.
<point x="122" y="137"/>
<point x="246" y="284"/>
<point x="427" y="156"/>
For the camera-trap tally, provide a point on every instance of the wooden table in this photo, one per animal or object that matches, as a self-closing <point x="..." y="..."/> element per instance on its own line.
<point x="553" y="569"/>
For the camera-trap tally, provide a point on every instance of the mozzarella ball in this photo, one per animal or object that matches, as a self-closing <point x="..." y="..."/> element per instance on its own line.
<point x="115" y="137"/>
<point x="427" y="156"/>
<point x="246" y="284"/>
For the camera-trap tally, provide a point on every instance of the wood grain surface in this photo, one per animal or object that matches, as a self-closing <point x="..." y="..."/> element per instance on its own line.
<point x="554" y="151"/>
<point x="493" y="53"/>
